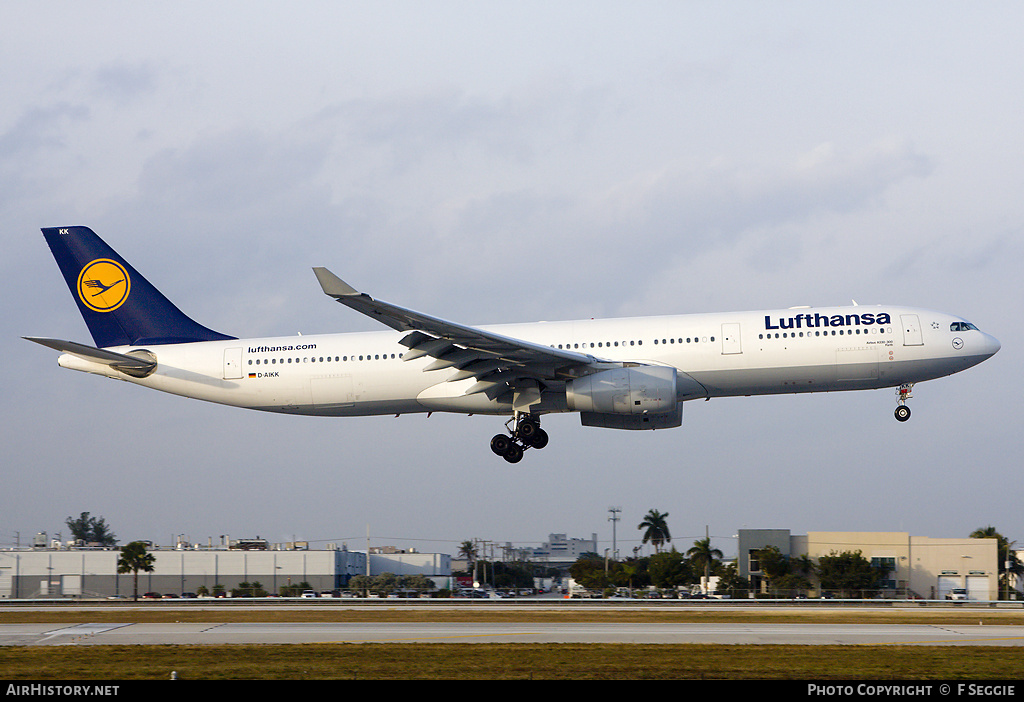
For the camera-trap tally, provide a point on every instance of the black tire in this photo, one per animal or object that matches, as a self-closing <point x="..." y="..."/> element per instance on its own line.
<point x="902" y="413"/>
<point x="514" y="453"/>
<point x="527" y="429"/>
<point x="500" y="444"/>
<point x="540" y="439"/>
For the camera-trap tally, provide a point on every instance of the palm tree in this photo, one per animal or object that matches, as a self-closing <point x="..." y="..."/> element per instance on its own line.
<point x="702" y="556"/>
<point x="467" y="550"/>
<point x="656" y="529"/>
<point x="133" y="559"/>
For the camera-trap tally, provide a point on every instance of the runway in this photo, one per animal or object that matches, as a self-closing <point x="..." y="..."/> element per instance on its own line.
<point x="528" y="632"/>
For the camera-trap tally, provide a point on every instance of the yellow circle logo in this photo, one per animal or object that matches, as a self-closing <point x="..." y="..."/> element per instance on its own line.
<point x="103" y="285"/>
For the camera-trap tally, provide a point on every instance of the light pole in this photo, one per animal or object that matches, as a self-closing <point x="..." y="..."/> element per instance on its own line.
<point x="614" y="519"/>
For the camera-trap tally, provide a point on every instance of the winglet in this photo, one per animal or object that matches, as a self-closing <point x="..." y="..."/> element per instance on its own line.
<point x="332" y="284"/>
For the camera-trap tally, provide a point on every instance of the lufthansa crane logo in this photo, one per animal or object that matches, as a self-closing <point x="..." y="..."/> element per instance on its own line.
<point x="103" y="285"/>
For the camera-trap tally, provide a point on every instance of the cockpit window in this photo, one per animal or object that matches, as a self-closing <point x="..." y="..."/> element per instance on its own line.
<point x="962" y="326"/>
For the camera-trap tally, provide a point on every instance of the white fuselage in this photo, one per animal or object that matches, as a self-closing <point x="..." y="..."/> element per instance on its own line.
<point x="717" y="355"/>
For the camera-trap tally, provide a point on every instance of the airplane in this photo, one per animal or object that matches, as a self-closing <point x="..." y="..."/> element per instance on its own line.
<point x="628" y="373"/>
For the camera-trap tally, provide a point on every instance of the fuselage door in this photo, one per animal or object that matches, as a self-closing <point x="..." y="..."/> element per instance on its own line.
<point x="731" y="338"/>
<point x="232" y="364"/>
<point x="911" y="330"/>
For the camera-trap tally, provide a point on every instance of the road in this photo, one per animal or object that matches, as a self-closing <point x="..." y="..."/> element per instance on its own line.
<point x="484" y="632"/>
<point x="255" y="622"/>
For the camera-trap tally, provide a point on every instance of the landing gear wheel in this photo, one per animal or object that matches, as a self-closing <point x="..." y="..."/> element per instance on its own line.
<point x="526" y="430"/>
<point x="902" y="395"/>
<point x="500" y="444"/>
<point x="524" y="433"/>
<point x="539" y="440"/>
<point x="514" y="453"/>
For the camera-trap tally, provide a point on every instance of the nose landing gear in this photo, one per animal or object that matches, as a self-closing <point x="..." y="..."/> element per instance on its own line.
<point x="527" y="434"/>
<point x="903" y="393"/>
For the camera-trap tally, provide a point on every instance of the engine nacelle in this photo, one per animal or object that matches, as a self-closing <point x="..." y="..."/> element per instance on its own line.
<point x="624" y="391"/>
<point x="665" y="420"/>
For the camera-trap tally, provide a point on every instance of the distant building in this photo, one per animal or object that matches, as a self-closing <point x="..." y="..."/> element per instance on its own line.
<point x="387" y="559"/>
<point x="918" y="566"/>
<point x="560" y="549"/>
<point x="56" y="570"/>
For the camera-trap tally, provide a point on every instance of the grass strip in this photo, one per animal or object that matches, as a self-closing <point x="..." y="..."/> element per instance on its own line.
<point x="510" y="662"/>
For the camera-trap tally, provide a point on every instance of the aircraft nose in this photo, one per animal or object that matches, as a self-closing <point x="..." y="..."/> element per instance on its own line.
<point x="990" y="345"/>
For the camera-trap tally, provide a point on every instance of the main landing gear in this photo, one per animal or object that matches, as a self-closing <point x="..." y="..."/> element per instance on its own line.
<point x="527" y="434"/>
<point x="903" y="393"/>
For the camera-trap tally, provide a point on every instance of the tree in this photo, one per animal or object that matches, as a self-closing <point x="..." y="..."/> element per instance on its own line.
<point x="360" y="583"/>
<point x="588" y="571"/>
<point x="511" y="575"/>
<point x="730" y="582"/>
<point x="656" y="529"/>
<point x="384" y="584"/>
<point x="467" y="550"/>
<point x="847" y="572"/>
<point x="628" y="571"/>
<point x="133" y="559"/>
<point x="704" y="558"/>
<point x="420" y="583"/>
<point x="1005" y="554"/>
<point x="802" y="565"/>
<point x="670" y="569"/>
<point x="772" y="562"/>
<point x="293" y="590"/>
<point x="247" y="589"/>
<point x="91" y="530"/>
<point x="782" y="572"/>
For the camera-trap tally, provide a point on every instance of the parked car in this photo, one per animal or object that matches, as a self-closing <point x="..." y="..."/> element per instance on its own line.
<point x="957" y="593"/>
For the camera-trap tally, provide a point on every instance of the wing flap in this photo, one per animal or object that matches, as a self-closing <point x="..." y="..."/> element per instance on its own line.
<point x="432" y="336"/>
<point x="504" y="367"/>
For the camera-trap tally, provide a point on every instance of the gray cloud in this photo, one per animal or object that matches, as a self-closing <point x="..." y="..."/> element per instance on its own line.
<point x="123" y="82"/>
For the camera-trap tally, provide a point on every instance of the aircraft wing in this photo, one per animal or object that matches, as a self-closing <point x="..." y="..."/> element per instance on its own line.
<point x="499" y="363"/>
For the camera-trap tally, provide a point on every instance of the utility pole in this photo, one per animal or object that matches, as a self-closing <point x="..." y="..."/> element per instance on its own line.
<point x="484" y="547"/>
<point x="707" y="562"/>
<point x="614" y="519"/>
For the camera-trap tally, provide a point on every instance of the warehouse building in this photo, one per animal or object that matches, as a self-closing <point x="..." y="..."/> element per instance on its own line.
<point x="918" y="566"/>
<point x="60" y="571"/>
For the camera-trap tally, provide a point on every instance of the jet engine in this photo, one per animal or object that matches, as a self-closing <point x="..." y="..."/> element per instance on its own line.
<point x="624" y="391"/>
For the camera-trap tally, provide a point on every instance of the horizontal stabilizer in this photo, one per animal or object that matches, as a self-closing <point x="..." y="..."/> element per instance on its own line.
<point x="132" y="365"/>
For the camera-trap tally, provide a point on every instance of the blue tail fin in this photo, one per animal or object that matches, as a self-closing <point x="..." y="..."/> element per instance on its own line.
<point x="120" y="307"/>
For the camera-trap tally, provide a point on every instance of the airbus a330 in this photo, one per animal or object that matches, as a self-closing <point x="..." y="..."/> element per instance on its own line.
<point x="629" y="373"/>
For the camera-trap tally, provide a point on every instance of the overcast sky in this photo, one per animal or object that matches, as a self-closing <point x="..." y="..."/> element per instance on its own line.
<point x="499" y="162"/>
